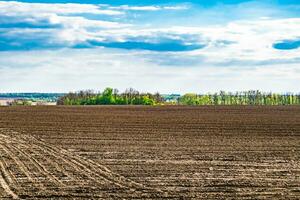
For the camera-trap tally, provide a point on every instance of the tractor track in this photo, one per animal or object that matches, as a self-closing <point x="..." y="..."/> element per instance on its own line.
<point x="54" y="171"/>
<point x="4" y="179"/>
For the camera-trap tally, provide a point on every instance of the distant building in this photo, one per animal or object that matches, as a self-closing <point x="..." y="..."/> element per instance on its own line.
<point x="6" y="102"/>
<point x="19" y="101"/>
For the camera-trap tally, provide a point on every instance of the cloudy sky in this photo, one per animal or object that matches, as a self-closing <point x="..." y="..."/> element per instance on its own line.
<point x="170" y="46"/>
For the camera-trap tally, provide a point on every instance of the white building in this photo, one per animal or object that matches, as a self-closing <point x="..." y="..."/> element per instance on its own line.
<point x="5" y="102"/>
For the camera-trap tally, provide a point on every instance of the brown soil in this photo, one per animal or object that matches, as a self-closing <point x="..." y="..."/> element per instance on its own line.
<point x="126" y="152"/>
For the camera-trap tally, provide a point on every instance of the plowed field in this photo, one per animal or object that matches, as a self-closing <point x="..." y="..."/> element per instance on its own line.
<point x="127" y="152"/>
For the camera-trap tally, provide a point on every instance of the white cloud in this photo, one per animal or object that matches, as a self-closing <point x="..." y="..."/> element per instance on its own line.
<point x="76" y="29"/>
<point x="244" y="41"/>
<point x="238" y="55"/>
<point x="14" y="8"/>
<point x="98" y="68"/>
<point x="68" y="15"/>
<point x="148" y="8"/>
<point x="140" y="8"/>
<point x="71" y="25"/>
<point x="249" y="39"/>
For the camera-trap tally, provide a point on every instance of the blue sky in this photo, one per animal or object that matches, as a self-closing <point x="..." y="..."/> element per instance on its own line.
<point x="169" y="46"/>
<point x="151" y="2"/>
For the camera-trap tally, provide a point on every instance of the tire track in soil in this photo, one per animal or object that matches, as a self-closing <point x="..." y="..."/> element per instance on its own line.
<point x="20" y="163"/>
<point x="4" y="179"/>
<point x="41" y="173"/>
<point x="15" y="155"/>
<point x="41" y="167"/>
<point x="93" y="169"/>
<point x="95" y="174"/>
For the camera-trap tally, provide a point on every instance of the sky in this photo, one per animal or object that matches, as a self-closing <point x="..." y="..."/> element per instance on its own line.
<point x="169" y="46"/>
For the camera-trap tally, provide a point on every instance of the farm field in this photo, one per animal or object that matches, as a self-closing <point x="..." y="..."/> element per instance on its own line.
<point x="171" y="152"/>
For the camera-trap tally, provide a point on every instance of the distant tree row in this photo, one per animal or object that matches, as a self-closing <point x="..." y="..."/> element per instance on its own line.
<point x="240" y="98"/>
<point x="110" y="96"/>
<point x="132" y="97"/>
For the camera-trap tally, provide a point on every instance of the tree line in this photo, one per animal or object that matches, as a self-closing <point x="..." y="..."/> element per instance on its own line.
<point x="131" y="96"/>
<point x="240" y="98"/>
<point x="110" y="96"/>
